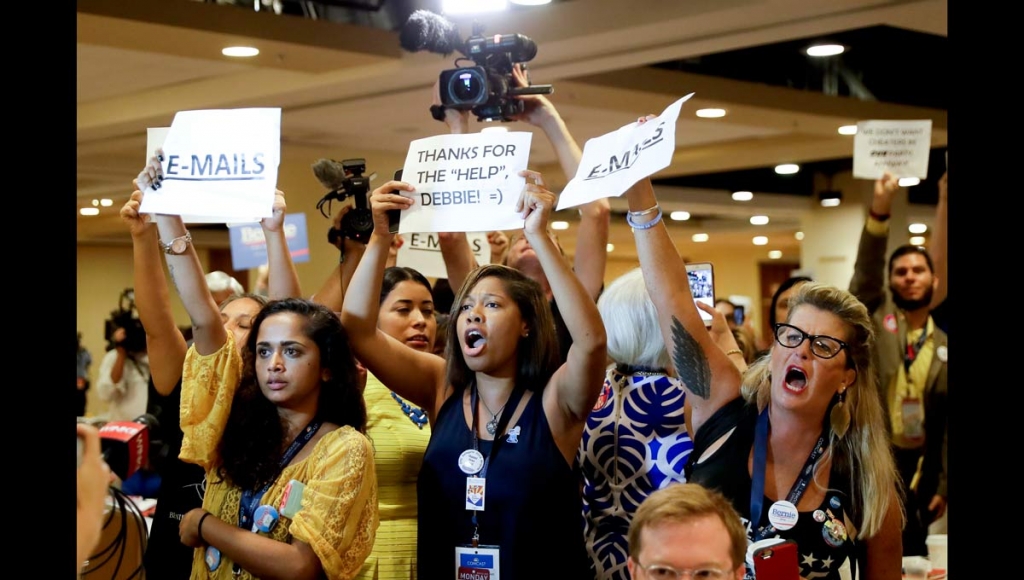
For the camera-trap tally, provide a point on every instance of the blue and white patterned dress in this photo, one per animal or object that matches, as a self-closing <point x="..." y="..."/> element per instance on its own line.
<point x="635" y="443"/>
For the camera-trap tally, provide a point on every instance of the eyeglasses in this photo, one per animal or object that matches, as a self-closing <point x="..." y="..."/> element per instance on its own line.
<point x="662" y="572"/>
<point x="822" y="346"/>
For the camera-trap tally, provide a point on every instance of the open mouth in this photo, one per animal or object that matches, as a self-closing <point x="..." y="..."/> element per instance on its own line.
<point x="796" y="380"/>
<point x="475" y="341"/>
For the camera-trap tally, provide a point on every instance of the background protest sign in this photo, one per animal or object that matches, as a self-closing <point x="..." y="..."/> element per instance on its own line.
<point x="249" y="245"/>
<point x="613" y="162"/>
<point x="899" y="147"/>
<point x="422" y="252"/>
<point x="465" y="182"/>
<point x="220" y="163"/>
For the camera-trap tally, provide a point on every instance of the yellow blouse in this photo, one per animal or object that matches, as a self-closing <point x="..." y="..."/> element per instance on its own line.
<point x="398" y="448"/>
<point x="338" y="517"/>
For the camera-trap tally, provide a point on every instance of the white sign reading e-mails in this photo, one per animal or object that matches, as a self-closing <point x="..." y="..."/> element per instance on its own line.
<point x="422" y="252"/>
<point x="899" y="147"/>
<point x="219" y="163"/>
<point x="465" y="183"/>
<point x="615" y="161"/>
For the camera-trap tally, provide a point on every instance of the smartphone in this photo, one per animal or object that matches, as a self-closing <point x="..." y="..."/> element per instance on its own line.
<point x="777" y="562"/>
<point x="394" y="214"/>
<point x="702" y="286"/>
<point x="739" y="315"/>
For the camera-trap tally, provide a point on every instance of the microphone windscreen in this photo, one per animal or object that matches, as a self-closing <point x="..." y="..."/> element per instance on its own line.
<point x="425" y="30"/>
<point x="329" y="173"/>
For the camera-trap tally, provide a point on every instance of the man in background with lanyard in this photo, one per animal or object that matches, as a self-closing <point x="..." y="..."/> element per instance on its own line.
<point x="910" y="354"/>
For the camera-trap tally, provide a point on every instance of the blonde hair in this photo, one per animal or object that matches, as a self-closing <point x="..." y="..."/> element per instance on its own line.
<point x="631" y="321"/>
<point x="863" y="455"/>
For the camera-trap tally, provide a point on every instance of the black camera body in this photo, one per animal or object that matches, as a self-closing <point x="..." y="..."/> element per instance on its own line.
<point x="127" y="318"/>
<point x="357" y="224"/>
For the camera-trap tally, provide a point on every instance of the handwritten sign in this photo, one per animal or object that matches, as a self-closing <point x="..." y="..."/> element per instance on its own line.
<point x="220" y="163"/>
<point x="613" y="162"/>
<point x="465" y="182"/>
<point x="899" y="147"/>
<point x="249" y="245"/>
<point x="422" y="252"/>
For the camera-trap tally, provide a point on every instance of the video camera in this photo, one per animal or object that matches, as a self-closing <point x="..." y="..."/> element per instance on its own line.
<point x="346" y="180"/>
<point x="487" y="89"/>
<point x="125" y="317"/>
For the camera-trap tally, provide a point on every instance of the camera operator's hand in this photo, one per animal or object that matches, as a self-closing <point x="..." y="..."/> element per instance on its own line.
<point x="93" y="484"/>
<point x="535" y="204"/>
<point x="275" y="222"/>
<point x="538" y="108"/>
<point x="457" y="120"/>
<point x="388" y="197"/>
<point x="138" y="223"/>
<point x="118" y="338"/>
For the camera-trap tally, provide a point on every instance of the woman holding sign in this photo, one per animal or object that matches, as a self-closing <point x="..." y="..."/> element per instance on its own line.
<point x="499" y="482"/>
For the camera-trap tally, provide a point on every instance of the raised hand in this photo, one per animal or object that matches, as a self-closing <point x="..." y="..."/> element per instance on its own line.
<point x="537" y="108"/>
<point x="388" y="197"/>
<point x="456" y="119"/>
<point x="138" y="223"/>
<point x="275" y="222"/>
<point x="535" y="203"/>
<point x="885" y="188"/>
<point x="152" y="175"/>
<point x="499" y="245"/>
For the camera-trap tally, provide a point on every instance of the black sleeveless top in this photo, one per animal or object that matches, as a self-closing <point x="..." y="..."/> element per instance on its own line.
<point x="821" y="534"/>
<point x="532" y="507"/>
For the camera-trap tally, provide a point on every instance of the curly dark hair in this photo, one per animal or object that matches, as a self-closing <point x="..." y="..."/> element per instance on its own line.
<point x="253" y="440"/>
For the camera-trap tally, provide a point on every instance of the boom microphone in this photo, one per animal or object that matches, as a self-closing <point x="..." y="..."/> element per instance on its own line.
<point x="330" y="174"/>
<point x="425" y="30"/>
<point x="125" y="444"/>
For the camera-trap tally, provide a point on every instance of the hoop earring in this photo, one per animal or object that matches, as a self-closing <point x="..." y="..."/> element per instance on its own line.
<point x="840" y="418"/>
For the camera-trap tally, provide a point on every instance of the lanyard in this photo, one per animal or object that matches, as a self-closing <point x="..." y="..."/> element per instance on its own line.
<point x="757" y="478"/>
<point x="250" y="499"/>
<point x="510" y="405"/>
<point x="913" y="349"/>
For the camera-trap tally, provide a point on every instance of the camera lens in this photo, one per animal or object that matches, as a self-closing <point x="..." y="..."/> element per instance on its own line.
<point x="466" y="86"/>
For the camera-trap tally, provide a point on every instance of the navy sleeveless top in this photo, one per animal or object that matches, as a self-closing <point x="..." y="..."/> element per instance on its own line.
<point x="532" y="506"/>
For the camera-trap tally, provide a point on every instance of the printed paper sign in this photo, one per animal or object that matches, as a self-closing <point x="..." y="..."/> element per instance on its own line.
<point x="465" y="183"/>
<point x="613" y="162"/>
<point x="249" y="246"/>
<point x="899" y="147"/>
<point x="220" y="163"/>
<point x="422" y="252"/>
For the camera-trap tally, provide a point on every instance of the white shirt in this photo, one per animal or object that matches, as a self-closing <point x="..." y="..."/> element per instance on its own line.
<point x="126" y="398"/>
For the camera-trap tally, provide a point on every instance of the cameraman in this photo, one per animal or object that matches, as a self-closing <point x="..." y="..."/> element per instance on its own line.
<point x="123" y="377"/>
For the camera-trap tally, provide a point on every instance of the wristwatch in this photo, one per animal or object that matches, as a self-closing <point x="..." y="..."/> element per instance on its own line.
<point x="178" y="245"/>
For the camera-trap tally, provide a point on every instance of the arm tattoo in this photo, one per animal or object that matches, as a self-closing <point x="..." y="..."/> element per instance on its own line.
<point x="691" y="364"/>
<point x="170" y="270"/>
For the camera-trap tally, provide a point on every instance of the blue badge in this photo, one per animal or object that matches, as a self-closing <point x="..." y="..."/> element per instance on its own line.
<point x="834" y="502"/>
<point x="212" y="558"/>
<point x="264" y="519"/>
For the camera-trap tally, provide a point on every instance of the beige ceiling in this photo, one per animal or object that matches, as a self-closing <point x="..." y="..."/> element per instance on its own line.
<point x="346" y="89"/>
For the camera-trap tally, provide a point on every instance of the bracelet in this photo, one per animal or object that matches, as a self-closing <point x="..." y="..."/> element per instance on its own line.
<point x="647" y="211"/>
<point x="643" y="226"/>
<point x="733" y="351"/>
<point x="878" y="216"/>
<point x="200" y="527"/>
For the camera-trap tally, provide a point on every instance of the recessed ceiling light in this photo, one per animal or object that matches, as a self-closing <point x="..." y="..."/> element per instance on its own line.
<point x="89" y="211"/>
<point x="787" y="168"/>
<point x="680" y="216"/>
<point x="95" y="203"/>
<point x="699" y="238"/>
<point x="530" y="2"/>
<point x="909" y="181"/>
<point x="240" y="51"/>
<point x="917" y="240"/>
<point x="917" y="228"/>
<point x="799" y="235"/>
<point x="610" y="248"/>
<point x="775" y="254"/>
<point x="830" y="202"/>
<point x="825" y="50"/>
<point x="742" y="196"/>
<point x="472" y="6"/>
<point x="106" y="202"/>
<point x="710" y="113"/>
<point x="559" y="225"/>
<point x="848" y="130"/>
<point x="494" y="129"/>
<point x="760" y="240"/>
<point x="758" y="220"/>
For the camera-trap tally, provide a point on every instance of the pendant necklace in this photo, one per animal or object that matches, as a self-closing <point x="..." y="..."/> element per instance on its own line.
<point x="492" y="425"/>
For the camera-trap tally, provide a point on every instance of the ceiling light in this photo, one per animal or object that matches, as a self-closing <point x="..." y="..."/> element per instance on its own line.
<point x="848" y="130"/>
<point x="610" y="248"/>
<point x="917" y="228"/>
<point x="699" y="238"/>
<point x="775" y="254"/>
<point x="758" y="220"/>
<point x="530" y="2"/>
<point x="106" y="202"/>
<point x="494" y="129"/>
<point x="760" y="240"/>
<point x="472" y="6"/>
<point x="710" y="113"/>
<point x="909" y="181"/>
<point x="89" y="211"/>
<point x="742" y="196"/>
<point x="240" y="51"/>
<point x="95" y="203"/>
<point x="559" y="225"/>
<point x="680" y="216"/>
<point x="799" y="235"/>
<point x="917" y="240"/>
<point x="830" y="197"/>
<point x="825" y="50"/>
<point x="831" y="202"/>
<point x="787" y="169"/>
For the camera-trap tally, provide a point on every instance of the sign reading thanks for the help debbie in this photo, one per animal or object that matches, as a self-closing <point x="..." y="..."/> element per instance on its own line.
<point x="249" y="245"/>
<point x="465" y="183"/>
<point x="899" y="147"/>
<point x="422" y="252"/>
<point x="615" y="161"/>
<point x="219" y="163"/>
